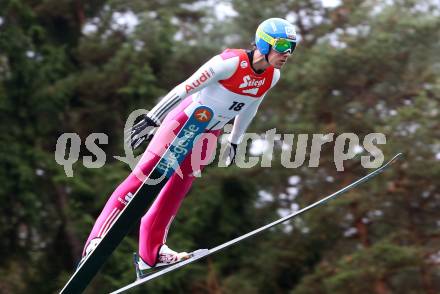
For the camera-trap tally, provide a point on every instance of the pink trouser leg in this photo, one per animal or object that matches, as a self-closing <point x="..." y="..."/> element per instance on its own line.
<point x="157" y="220"/>
<point x="155" y="223"/>
<point x="117" y="201"/>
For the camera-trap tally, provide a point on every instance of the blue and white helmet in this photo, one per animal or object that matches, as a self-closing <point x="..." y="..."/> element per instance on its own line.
<point x="276" y="28"/>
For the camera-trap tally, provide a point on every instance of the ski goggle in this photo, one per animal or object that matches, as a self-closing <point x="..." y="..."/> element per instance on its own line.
<point x="280" y="45"/>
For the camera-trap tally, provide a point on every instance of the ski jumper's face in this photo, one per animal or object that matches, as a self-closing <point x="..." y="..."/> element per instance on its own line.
<point x="277" y="59"/>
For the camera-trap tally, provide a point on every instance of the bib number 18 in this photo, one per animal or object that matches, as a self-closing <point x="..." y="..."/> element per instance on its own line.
<point x="237" y="106"/>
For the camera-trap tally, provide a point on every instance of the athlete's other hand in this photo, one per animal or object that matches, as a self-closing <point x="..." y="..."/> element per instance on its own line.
<point x="230" y="153"/>
<point x="141" y="131"/>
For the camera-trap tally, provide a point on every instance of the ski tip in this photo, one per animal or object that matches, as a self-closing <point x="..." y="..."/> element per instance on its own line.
<point x="391" y="161"/>
<point x="395" y="157"/>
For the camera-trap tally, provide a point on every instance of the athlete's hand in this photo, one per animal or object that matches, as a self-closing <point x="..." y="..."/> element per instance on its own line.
<point x="141" y="131"/>
<point x="230" y="153"/>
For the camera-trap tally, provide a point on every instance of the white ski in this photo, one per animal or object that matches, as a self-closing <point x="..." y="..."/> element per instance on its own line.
<point x="199" y="254"/>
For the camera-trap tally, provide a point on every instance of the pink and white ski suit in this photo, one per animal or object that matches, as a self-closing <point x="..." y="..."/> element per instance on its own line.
<point x="232" y="89"/>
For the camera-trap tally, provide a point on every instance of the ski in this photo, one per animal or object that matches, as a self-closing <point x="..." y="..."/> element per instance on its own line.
<point x="206" y="252"/>
<point x="142" y="199"/>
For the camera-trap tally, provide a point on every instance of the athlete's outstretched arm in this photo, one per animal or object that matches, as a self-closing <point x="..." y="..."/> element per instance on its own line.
<point x="212" y="71"/>
<point x="242" y="121"/>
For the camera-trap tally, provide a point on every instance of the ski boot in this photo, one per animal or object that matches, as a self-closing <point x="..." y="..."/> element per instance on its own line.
<point x="165" y="258"/>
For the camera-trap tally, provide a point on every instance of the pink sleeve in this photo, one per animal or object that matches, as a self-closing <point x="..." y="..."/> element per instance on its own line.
<point x="228" y="53"/>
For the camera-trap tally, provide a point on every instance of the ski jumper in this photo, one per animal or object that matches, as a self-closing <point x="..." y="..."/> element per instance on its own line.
<point x="232" y="89"/>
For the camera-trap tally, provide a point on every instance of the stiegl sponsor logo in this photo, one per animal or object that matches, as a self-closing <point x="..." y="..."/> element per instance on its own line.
<point x="250" y="82"/>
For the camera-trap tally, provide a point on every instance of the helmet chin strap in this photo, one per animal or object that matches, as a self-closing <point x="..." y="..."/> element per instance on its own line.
<point x="266" y="56"/>
<point x="259" y="60"/>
